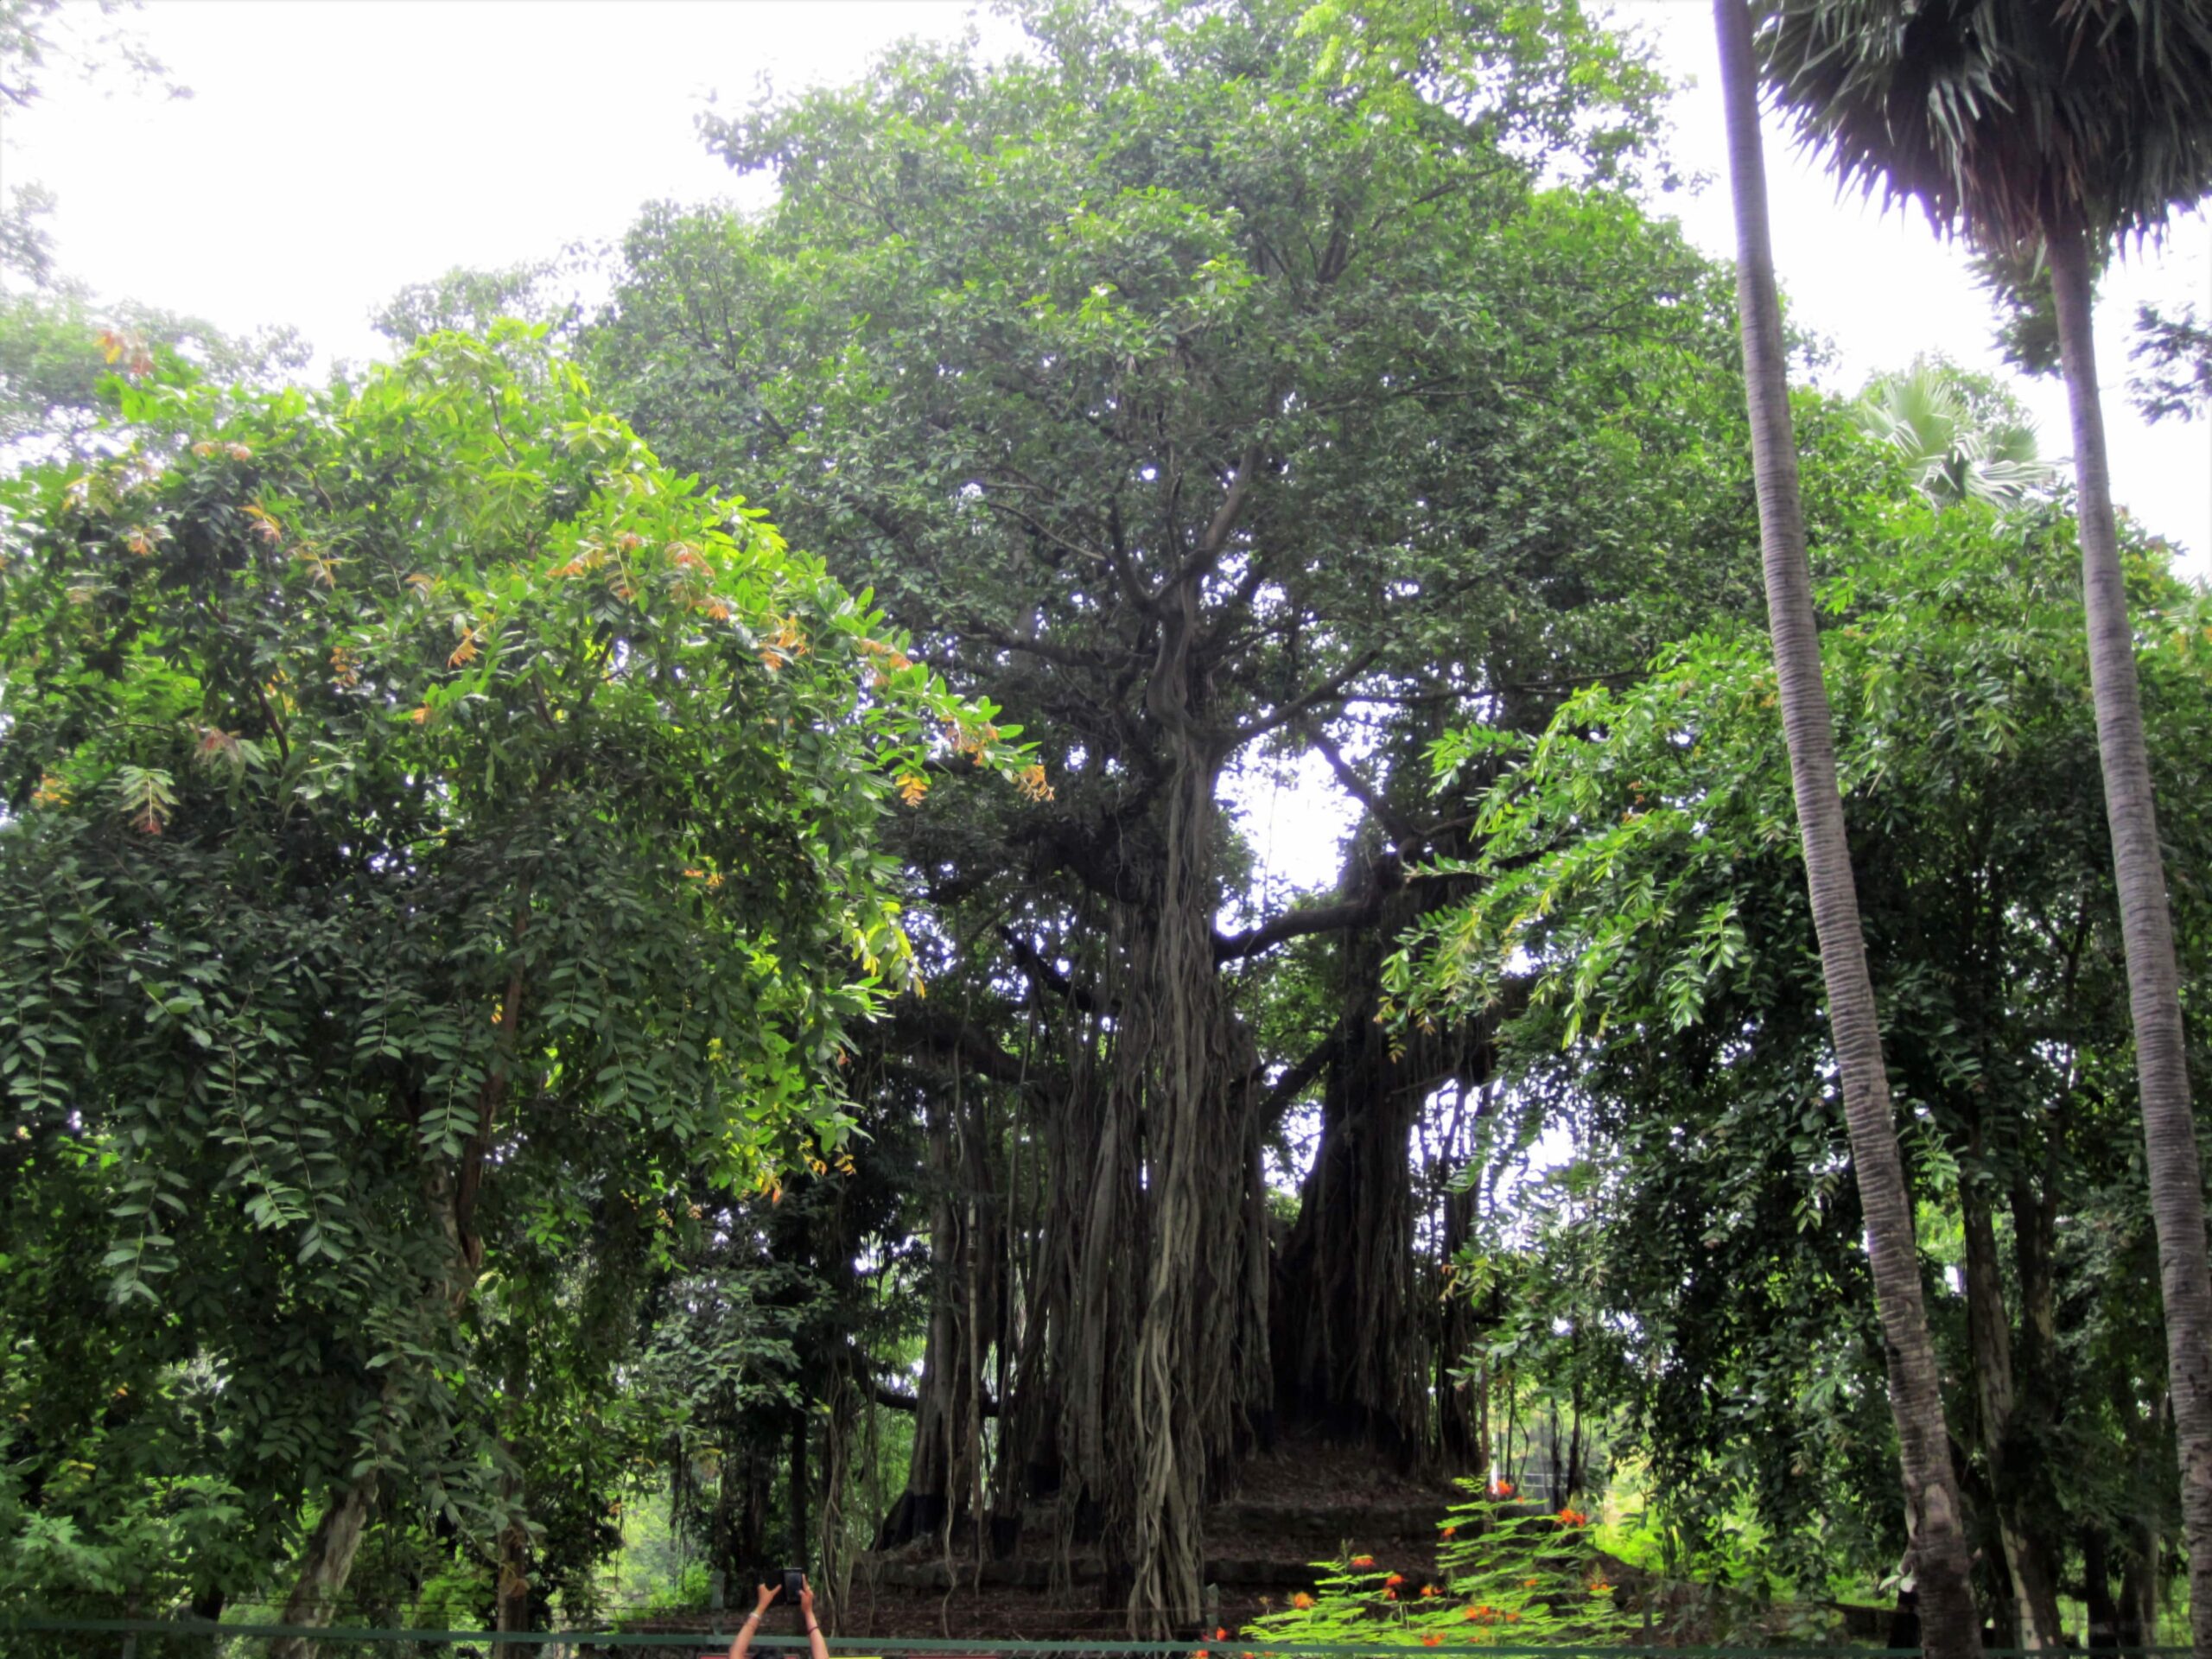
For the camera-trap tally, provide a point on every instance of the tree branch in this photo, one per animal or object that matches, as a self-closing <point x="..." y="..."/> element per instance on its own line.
<point x="918" y="1027"/>
<point x="1060" y="656"/>
<point x="1363" y="911"/>
<point x="897" y="1400"/>
<point x="1294" y="1083"/>
<point x="1034" y="963"/>
<point x="1038" y="526"/>
<point x="1223" y="522"/>
<point x="1403" y="831"/>
<point x="1300" y="705"/>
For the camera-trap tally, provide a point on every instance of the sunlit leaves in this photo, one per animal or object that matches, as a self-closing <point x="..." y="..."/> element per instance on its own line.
<point x="1642" y="934"/>
<point x="147" y="797"/>
<point x="400" y="801"/>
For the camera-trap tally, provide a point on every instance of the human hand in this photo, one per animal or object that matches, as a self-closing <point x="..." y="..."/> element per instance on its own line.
<point x="807" y="1603"/>
<point x="767" y="1595"/>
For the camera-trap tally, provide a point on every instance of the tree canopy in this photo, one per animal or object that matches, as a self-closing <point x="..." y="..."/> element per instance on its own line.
<point x="559" y="1042"/>
<point x="430" y="820"/>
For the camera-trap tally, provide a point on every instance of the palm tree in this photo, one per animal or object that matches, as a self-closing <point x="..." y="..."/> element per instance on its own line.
<point x="1950" y="1624"/>
<point x="1961" y="442"/>
<point x="2069" y="125"/>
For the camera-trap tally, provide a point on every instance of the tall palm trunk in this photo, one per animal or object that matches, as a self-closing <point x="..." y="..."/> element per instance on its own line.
<point x="1951" y="1626"/>
<point x="2146" y="926"/>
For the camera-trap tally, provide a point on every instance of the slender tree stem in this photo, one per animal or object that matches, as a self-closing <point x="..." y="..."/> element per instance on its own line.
<point x="1950" y="1624"/>
<point x="2146" y="928"/>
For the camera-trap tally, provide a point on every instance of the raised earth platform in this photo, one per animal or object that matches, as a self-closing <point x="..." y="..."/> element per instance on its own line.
<point x="1300" y="1505"/>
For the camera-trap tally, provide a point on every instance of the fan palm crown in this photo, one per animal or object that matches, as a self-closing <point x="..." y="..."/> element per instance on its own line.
<point x="1961" y="440"/>
<point x="2005" y="118"/>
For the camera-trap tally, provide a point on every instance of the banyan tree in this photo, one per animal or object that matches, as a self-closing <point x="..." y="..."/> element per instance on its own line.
<point x="1204" y="402"/>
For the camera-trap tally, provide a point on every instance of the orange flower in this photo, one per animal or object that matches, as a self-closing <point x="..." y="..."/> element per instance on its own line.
<point x="128" y="344"/>
<point x="1450" y="1532"/>
<point x="1220" y="1634"/>
<point x="1432" y="1639"/>
<point x="1428" y="1590"/>
<point x="787" y="640"/>
<point x="1362" y="1561"/>
<point x="1390" y="1595"/>
<point x="1301" y="1601"/>
<point x="1501" y="1489"/>
<point x="1396" y="1578"/>
<point x="1573" y="1518"/>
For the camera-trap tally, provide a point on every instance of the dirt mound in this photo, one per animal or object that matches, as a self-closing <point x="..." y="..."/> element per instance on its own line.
<point x="1303" y="1501"/>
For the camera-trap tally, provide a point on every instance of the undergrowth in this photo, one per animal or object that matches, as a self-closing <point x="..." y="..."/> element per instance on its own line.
<point x="1506" y="1574"/>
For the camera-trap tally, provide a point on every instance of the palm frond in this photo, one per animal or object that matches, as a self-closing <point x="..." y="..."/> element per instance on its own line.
<point x="1960" y="437"/>
<point x="2003" y="118"/>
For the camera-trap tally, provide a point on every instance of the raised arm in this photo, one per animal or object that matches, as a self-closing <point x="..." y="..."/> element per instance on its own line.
<point x="820" y="1648"/>
<point x="745" y="1631"/>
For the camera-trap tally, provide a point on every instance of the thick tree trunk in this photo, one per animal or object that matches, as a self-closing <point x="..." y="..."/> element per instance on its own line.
<point x="206" y="1608"/>
<point x="510" y="1606"/>
<point x="833" y="1564"/>
<point x="2138" y="1588"/>
<point x="1354" y="1328"/>
<point x="941" y="1472"/>
<point x="1349" y="1353"/>
<point x="1173" y="1055"/>
<point x="1144" y="1369"/>
<point x="2103" y="1613"/>
<point x="326" y="1561"/>
<point x="801" y="1488"/>
<point x="1462" y="1408"/>
<point x="737" y="1527"/>
<point x="2034" y="1579"/>
<point x="513" y="1609"/>
<point x="1097" y="1205"/>
<point x="2146" y="927"/>
<point x="1950" y="1624"/>
<point x="1156" y="1265"/>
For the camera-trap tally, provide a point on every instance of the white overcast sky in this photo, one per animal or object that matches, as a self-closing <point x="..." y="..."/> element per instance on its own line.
<point x="336" y="149"/>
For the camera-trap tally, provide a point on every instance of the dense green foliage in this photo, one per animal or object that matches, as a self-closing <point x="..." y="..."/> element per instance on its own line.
<point x="431" y="823"/>
<point x="1506" y="1575"/>
<point x="1640" y="868"/>
<point x="1205" y="387"/>
<point x="554" y="1044"/>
